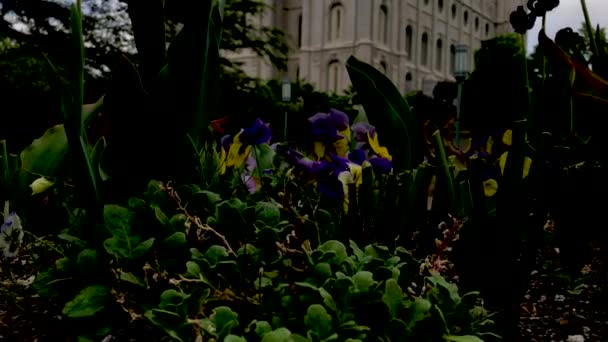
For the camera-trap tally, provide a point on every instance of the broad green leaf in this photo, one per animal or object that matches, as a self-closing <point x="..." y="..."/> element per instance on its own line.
<point x="393" y="297"/>
<point x="193" y="269"/>
<point x="336" y="247"/>
<point x="172" y="298"/>
<point x="88" y="302"/>
<point x="117" y="221"/>
<point x="447" y="176"/>
<point x="261" y="328"/>
<point x="234" y="338"/>
<point x="363" y="280"/>
<point x="40" y="185"/>
<point x="323" y="270"/>
<point x="278" y="335"/>
<point x="465" y="338"/>
<point x="143" y="248"/>
<point x="131" y="278"/>
<point x="167" y="320"/>
<point x="328" y="300"/>
<point x="176" y="240"/>
<point x="418" y="310"/>
<point x="46" y="154"/>
<point x="318" y="320"/>
<point x="264" y="155"/>
<point x="268" y="213"/>
<point x="87" y="260"/>
<point x="389" y="112"/>
<point x="215" y="254"/>
<point x="224" y="320"/>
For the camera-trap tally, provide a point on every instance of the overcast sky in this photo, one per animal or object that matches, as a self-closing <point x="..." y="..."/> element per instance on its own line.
<point x="569" y="13"/>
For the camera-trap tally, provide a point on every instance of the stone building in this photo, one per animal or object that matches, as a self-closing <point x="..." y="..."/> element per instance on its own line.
<point x="412" y="41"/>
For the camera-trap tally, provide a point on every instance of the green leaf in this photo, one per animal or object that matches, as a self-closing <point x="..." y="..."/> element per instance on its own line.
<point x="131" y="278"/>
<point x="268" y="213"/>
<point x="88" y="302"/>
<point x="318" y="320"/>
<point x="418" y="311"/>
<point x="172" y="298"/>
<point x="328" y="300"/>
<point x="167" y="320"/>
<point x="264" y="155"/>
<point x="193" y="269"/>
<point x="389" y="112"/>
<point x="177" y="240"/>
<point x="117" y="221"/>
<point x="447" y="176"/>
<point x="46" y="154"/>
<point x="278" y="335"/>
<point x="261" y="328"/>
<point x="465" y="338"/>
<point x="142" y="249"/>
<point x="393" y="297"/>
<point x="335" y="247"/>
<point x="224" y="320"/>
<point x="363" y="280"/>
<point x="234" y="338"/>
<point x="215" y="254"/>
<point x="87" y="260"/>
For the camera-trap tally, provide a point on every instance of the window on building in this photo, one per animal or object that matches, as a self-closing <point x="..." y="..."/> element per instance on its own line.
<point x="383" y="67"/>
<point x="439" y="55"/>
<point x="299" y="31"/>
<point x="476" y="24"/>
<point x="466" y="17"/>
<point x="336" y="16"/>
<point x="440" y="5"/>
<point x="383" y="24"/>
<point x="408" y="82"/>
<point x="426" y="2"/>
<point x="487" y="29"/>
<point x="453" y="11"/>
<point x="452" y="58"/>
<point x="424" y="50"/>
<point x="408" y="42"/>
<point x="333" y="76"/>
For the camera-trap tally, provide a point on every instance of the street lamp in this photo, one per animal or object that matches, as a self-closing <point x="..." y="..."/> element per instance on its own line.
<point x="461" y="69"/>
<point x="286" y="96"/>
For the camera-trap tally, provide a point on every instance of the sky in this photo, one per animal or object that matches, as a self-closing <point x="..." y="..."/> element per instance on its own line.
<point x="569" y="13"/>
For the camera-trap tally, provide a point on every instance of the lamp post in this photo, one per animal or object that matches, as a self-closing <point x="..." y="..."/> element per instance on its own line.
<point x="286" y="97"/>
<point x="461" y="69"/>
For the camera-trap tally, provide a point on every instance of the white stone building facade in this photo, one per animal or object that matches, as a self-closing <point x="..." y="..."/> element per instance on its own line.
<point x="412" y="41"/>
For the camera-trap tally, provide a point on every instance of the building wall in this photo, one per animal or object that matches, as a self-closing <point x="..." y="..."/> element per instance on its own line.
<point x="318" y="53"/>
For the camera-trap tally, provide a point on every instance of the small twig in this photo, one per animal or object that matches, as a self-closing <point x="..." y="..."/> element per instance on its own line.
<point x="194" y="219"/>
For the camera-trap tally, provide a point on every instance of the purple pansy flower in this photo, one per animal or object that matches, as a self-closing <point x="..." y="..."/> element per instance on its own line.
<point x="258" y="133"/>
<point x="357" y="156"/>
<point x="325" y="171"/>
<point x="381" y="165"/>
<point x="361" y="131"/>
<point x="325" y="127"/>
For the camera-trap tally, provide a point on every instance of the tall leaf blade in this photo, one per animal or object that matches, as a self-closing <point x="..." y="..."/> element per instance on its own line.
<point x="388" y="111"/>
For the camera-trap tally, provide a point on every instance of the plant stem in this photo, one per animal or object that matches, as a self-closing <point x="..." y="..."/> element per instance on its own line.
<point x="544" y="61"/>
<point x="589" y="28"/>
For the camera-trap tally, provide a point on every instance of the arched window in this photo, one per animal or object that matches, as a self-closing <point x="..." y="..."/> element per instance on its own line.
<point x="333" y="76"/>
<point x="383" y="24"/>
<point x="408" y="42"/>
<point x="452" y="58"/>
<point x="453" y="11"/>
<point x="336" y="16"/>
<point x="300" y="31"/>
<point x="440" y="5"/>
<point x="408" y="82"/>
<point x="466" y="17"/>
<point x="487" y="29"/>
<point x="424" y="49"/>
<point x="439" y="55"/>
<point x="383" y="67"/>
<point x="476" y="24"/>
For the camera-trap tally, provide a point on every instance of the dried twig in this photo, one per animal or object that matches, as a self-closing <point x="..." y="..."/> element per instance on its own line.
<point x="194" y="219"/>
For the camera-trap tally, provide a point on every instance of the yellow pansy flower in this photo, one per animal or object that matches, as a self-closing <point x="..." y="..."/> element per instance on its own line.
<point x="235" y="158"/>
<point x="381" y="151"/>
<point x="502" y="162"/>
